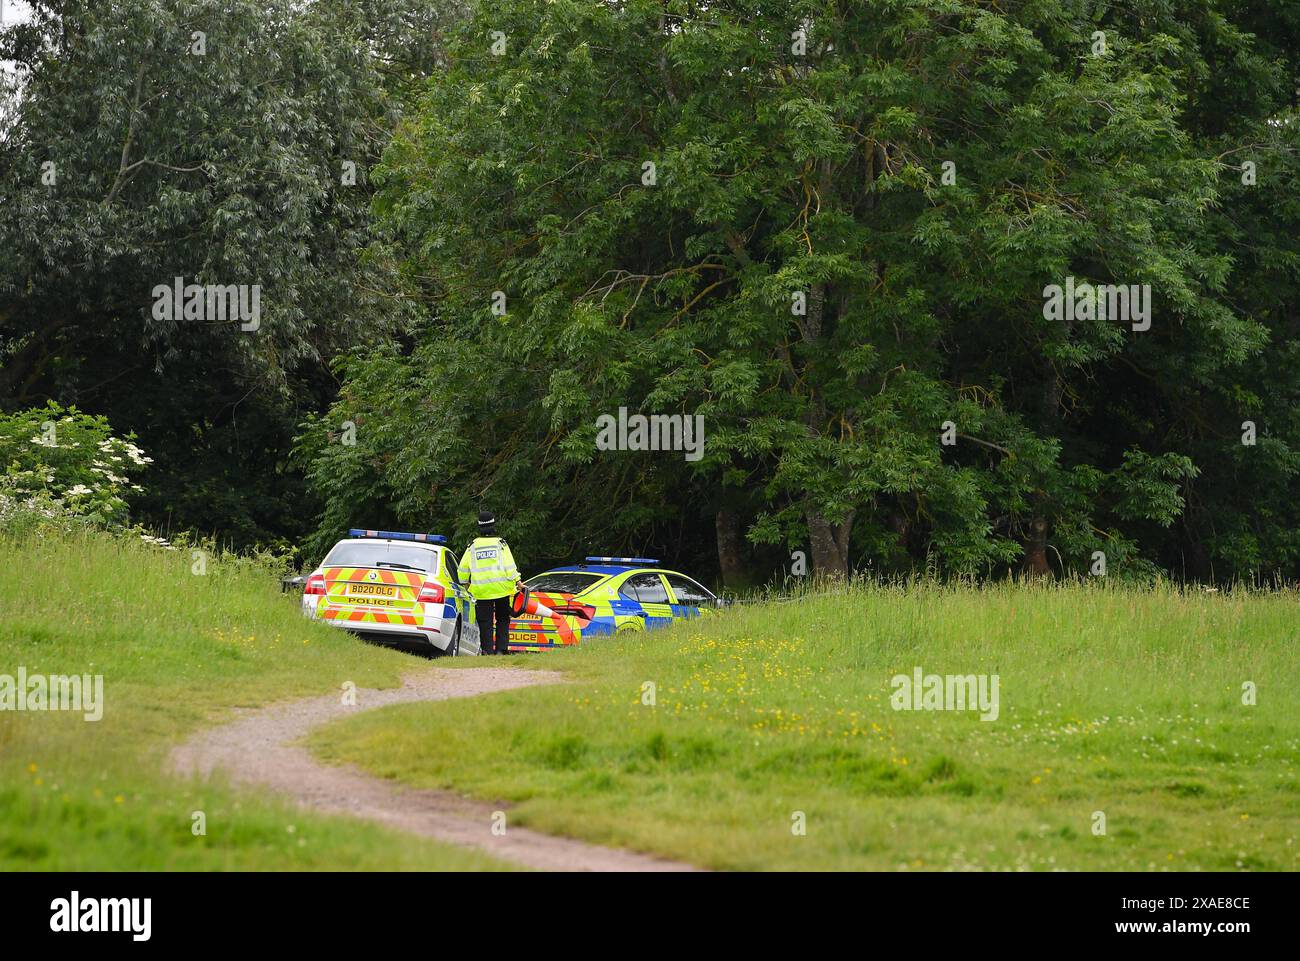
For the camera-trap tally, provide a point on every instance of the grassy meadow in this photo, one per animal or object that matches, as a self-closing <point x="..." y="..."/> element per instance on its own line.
<point x="177" y="650"/>
<point x="1121" y="710"/>
<point x="758" y="737"/>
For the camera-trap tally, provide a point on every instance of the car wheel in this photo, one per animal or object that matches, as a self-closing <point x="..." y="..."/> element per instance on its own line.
<point x="454" y="647"/>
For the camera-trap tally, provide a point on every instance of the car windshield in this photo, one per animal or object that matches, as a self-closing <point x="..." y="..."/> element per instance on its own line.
<point x="381" y="554"/>
<point x="563" y="582"/>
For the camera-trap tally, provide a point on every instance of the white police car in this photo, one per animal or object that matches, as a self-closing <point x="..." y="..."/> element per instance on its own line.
<point x="394" y="588"/>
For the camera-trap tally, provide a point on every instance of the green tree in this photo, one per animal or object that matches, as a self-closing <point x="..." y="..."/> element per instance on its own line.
<point x="225" y="143"/>
<point x="842" y="246"/>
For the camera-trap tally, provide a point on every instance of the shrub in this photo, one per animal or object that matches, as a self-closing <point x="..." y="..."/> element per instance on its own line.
<point x="61" y="463"/>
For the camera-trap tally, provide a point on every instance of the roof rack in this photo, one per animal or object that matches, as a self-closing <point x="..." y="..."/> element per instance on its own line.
<point x="399" y="536"/>
<point x="624" y="561"/>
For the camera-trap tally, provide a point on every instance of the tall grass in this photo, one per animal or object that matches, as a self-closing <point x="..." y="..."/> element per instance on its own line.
<point x="176" y="649"/>
<point x="1117" y="703"/>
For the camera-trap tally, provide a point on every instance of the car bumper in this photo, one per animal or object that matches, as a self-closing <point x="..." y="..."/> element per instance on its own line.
<point x="403" y="629"/>
<point x="531" y="635"/>
<point x="536" y="641"/>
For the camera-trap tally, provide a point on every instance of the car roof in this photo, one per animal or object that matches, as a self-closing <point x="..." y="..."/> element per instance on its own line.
<point x="609" y="570"/>
<point x="389" y="540"/>
<point x="601" y="569"/>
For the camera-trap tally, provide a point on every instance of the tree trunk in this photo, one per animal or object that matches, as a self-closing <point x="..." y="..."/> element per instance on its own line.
<point x="25" y="365"/>
<point x="1036" y="548"/>
<point x="731" y="559"/>
<point x="830" y="545"/>
<point x="1036" y="542"/>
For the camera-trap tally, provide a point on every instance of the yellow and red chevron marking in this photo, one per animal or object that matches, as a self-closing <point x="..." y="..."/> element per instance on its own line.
<point x="403" y="578"/>
<point x="367" y="617"/>
<point x="558" y="620"/>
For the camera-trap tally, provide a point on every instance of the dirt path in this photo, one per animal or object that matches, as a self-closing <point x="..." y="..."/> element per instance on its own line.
<point x="260" y="748"/>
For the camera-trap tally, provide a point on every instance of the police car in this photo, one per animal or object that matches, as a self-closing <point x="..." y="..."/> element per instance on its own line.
<point x="604" y="596"/>
<point x="395" y="588"/>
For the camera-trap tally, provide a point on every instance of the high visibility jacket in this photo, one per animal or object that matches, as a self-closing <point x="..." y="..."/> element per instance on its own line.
<point x="488" y="567"/>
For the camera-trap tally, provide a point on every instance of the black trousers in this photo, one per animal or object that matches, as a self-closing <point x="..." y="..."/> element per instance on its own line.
<point x="493" y="638"/>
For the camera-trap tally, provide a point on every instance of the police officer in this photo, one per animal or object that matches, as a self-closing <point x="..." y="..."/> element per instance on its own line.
<point x="489" y="568"/>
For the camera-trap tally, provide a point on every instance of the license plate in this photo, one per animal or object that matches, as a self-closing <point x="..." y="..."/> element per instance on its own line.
<point x="372" y="590"/>
<point x="528" y="617"/>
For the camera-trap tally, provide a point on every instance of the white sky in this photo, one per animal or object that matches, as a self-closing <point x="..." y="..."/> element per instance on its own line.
<point x="12" y="11"/>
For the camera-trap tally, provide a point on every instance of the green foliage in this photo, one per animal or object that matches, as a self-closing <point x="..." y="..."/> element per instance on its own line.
<point x="822" y="173"/>
<point x="130" y="159"/>
<point x="649" y="183"/>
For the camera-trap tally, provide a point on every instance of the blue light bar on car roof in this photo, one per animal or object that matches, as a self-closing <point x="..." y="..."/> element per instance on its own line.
<point x="400" y="536"/>
<point x="624" y="561"/>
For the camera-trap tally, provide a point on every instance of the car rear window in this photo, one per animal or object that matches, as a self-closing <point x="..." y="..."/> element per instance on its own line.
<point x="380" y="554"/>
<point x="563" y="582"/>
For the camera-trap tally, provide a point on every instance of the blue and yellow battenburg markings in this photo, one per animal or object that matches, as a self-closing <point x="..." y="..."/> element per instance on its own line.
<point x="536" y="633"/>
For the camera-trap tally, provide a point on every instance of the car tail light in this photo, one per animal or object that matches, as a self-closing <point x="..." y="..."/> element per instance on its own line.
<point x="315" y="585"/>
<point x="431" y="593"/>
